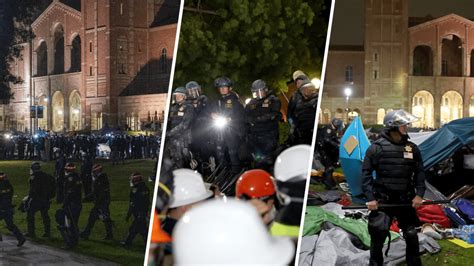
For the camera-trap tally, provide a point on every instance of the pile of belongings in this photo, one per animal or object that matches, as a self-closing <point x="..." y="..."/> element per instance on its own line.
<point x="332" y="236"/>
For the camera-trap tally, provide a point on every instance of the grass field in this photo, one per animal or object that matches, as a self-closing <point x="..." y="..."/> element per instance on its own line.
<point x="18" y="173"/>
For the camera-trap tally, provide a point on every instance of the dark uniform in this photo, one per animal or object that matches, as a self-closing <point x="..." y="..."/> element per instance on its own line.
<point x="59" y="168"/>
<point x="179" y="132"/>
<point x="40" y="194"/>
<point x="86" y="173"/>
<point x="400" y="177"/>
<point x="201" y="129"/>
<point x="139" y="207"/>
<point x="101" y="196"/>
<point x="304" y="118"/>
<point x="328" y="147"/>
<point x="228" y="138"/>
<point x="72" y="205"/>
<point x="262" y="117"/>
<point x="6" y="208"/>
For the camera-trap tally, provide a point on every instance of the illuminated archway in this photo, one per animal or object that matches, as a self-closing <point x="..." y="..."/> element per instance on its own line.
<point x="451" y="106"/>
<point x="75" y="111"/>
<point x="380" y="116"/>
<point x="423" y="108"/>
<point x="43" y="122"/>
<point x="58" y="111"/>
<point x="471" y="106"/>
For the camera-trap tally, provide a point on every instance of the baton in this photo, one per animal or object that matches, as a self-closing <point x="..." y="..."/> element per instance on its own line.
<point x="381" y="206"/>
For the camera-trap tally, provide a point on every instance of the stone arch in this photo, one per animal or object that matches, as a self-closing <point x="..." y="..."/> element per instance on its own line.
<point x="451" y="56"/>
<point x="380" y="116"/>
<point x="326" y="116"/>
<point x="423" y="108"/>
<point x="58" y="49"/>
<point x="75" y="111"/>
<point x="422" y="61"/>
<point x="451" y="107"/>
<point x="76" y="54"/>
<point x="57" y="104"/>
<point x="471" y="106"/>
<point x="339" y="113"/>
<point x="43" y="101"/>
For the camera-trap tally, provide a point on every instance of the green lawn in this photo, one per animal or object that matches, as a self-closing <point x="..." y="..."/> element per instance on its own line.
<point x="18" y="173"/>
<point x="450" y="254"/>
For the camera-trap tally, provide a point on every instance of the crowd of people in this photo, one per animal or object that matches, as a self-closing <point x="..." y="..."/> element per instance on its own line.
<point x="71" y="189"/>
<point x="225" y="165"/>
<point x="45" y="146"/>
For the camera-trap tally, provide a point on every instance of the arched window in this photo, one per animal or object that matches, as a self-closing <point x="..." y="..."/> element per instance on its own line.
<point x="422" y="61"/>
<point x="59" y="50"/>
<point x="451" y="62"/>
<point x="349" y="74"/>
<point x="76" y="55"/>
<point x="42" y="60"/>
<point x="164" y="61"/>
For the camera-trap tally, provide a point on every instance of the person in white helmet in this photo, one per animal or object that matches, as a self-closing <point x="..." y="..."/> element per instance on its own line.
<point x="291" y="172"/>
<point x="189" y="190"/>
<point x="234" y="235"/>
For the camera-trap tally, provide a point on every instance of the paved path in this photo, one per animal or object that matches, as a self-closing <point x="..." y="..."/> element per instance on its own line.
<point x="37" y="254"/>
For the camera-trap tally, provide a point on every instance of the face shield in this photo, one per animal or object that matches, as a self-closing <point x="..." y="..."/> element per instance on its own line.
<point x="399" y="118"/>
<point x="193" y="92"/>
<point x="308" y="91"/>
<point x="259" y="93"/>
<point x="179" y="97"/>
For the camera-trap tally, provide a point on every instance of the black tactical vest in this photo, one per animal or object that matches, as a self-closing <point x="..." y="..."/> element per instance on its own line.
<point x="261" y="108"/>
<point x="176" y="115"/>
<point x="395" y="168"/>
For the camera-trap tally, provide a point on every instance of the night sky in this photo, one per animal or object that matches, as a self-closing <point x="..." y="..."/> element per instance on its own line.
<point x="348" y="24"/>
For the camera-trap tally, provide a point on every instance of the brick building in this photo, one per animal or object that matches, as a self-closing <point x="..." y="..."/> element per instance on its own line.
<point x="423" y="65"/>
<point x="96" y="62"/>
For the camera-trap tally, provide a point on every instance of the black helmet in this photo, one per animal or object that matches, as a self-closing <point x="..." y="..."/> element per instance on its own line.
<point x="338" y="124"/>
<point x="35" y="166"/>
<point x="222" y="82"/>
<point x="259" y="89"/>
<point x="193" y="89"/>
<point x="397" y="118"/>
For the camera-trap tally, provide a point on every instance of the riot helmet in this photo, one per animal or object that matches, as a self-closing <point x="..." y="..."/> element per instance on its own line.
<point x="259" y="89"/>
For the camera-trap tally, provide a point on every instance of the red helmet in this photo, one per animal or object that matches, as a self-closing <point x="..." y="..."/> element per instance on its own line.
<point x="255" y="183"/>
<point x="97" y="168"/>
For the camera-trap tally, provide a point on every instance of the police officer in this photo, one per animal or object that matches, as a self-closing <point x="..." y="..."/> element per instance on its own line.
<point x="328" y="147"/>
<point x="305" y="114"/>
<point x="72" y="201"/>
<point x="40" y="194"/>
<point x="101" y="198"/>
<point x="262" y="115"/>
<point x="59" y="168"/>
<point x="6" y="208"/>
<point x="200" y="137"/>
<point x="139" y="207"/>
<point x="298" y="78"/>
<point x="227" y="113"/>
<point x="179" y="127"/>
<point x="400" y="179"/>
<point x="86" y="173"/>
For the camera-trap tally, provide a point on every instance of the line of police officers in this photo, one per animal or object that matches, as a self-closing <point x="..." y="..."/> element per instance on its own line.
<point x="201" y="131"/>
<point x="42" y="190"/>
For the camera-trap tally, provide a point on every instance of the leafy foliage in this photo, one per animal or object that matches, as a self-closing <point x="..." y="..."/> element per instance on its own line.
<point x="19" y="15"/>
<point x="250" y="39"/>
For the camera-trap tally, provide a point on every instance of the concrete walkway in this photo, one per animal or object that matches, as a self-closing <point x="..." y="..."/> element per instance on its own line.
<point x="37" y="254"/>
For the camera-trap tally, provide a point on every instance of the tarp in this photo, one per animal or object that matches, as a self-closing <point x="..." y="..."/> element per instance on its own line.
<point x="420" y="137"/>
<point x="446" y="141"/>
<point x="315" y="216"/>
<point x="354" y="144"/>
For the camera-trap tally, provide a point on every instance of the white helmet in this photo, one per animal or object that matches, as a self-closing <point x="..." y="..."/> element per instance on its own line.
<point x="227" y="232"/>
<point x="188" y="188"/>
<point x="293" y="163"/>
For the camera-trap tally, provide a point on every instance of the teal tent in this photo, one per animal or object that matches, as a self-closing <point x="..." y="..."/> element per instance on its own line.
<point x="354" y="144"/>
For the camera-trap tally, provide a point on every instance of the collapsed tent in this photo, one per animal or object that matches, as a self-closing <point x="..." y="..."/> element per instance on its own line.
<point x="446" y="141"/>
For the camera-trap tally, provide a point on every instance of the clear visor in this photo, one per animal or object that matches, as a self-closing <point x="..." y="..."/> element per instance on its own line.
<point x="259" y="94"/>
<point x="401" y="118"/>
<point x="308" y="91"/>
<point x="179" y="97"/>
<point x="194" y="92"/>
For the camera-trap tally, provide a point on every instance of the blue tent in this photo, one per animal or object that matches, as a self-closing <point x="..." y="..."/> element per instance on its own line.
<point x="446" y="141"/>
<point x="354" y="144"/>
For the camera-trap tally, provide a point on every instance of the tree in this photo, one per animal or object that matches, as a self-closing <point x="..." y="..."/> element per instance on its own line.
<point x="250" y="39"/>
<point x="17" y="20"/>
